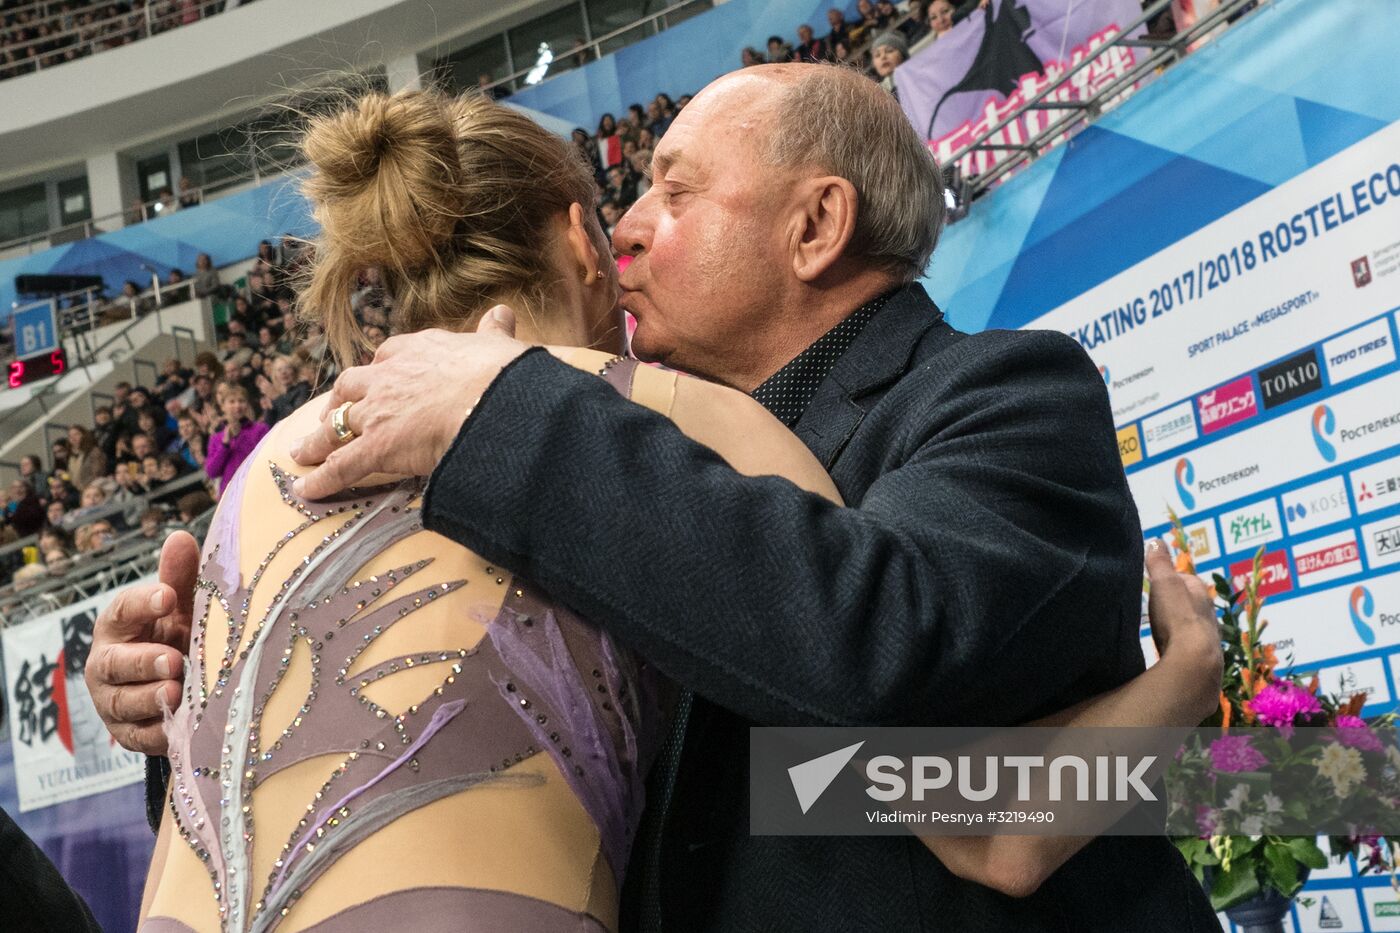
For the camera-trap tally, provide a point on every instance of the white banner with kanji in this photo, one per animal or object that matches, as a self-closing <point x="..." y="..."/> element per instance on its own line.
<point x="62" y="750"/>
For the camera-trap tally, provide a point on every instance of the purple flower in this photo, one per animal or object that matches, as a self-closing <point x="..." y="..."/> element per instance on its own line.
<point x="1206" y="820"/>
<point x="1232" y="753"/>
<point x="1281" y="703"/>
<point x="1353" y="731"/>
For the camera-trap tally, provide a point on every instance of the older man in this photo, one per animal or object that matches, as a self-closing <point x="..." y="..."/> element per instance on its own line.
<point x="985" y="571"/>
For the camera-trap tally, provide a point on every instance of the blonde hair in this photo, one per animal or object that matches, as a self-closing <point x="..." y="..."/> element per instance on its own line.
<point x="449" y="197"/>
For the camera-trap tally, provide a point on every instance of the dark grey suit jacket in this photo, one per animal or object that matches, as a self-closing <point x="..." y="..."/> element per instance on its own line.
<point x="986" y="570"/>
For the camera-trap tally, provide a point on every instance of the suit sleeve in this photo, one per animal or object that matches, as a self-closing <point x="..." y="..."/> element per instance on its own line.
<point x="981" y="549"/>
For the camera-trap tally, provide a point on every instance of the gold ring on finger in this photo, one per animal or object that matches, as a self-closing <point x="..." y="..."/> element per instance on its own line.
<point x="340" y="423"/>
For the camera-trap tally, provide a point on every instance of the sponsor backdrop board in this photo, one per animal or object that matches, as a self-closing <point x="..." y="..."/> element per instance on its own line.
<point x="78" y="795"/>
<point x="62" y="751"/>
<point x="1226" y="247"/>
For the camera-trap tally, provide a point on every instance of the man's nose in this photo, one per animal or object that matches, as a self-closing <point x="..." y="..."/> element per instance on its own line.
<point x="632" y="234"/>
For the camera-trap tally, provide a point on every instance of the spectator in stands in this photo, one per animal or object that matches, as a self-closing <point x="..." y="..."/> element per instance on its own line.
<point x="105" y="432"/>
<point x="59" y="452"/>
<point x="622" y="188"/>
<point x="61" y="489"/>
<point x="53" y="514"/>
<point x="484" y="82"/>
<point x="55" y="539"/>
<point x="587" y="148"/>
<point x="887" y="53"/>
<point x="751" y="56"/>
<point x="191" y="445"/>
<point x="123" y="411"/>
<point x="940" y="20"/>
<point x="165" y="202"/>
<point x="88" y="461"/>
<point x="611" y="214"/>
<point x="194" y="504"/>
<point x="94" y="497"/>
<point x="915" y="26"/>
<point x="840" y="32"/>
<point x="174" y="380"/>
<point x="189" y="194"/>
<point x="637" y="115"/>
<point x="29" y="575"/>
<point x="31" y="471"/>
<point x="236" y="350"/>
<point x="235" y="439"/>
<point x="289" y="392"/>
<point x="24" y="510"/>
<point x="641" y="170"/>
<point x="156" y="427"/>
<point x="152" y="521"/>
<point x="778" y="50"/>
<point x="864" y="26"/>
<point x="607" y="129"/>
<point x="206" y="277"/>
<point x="809" y="48"/>
<point x="101" y="534"/>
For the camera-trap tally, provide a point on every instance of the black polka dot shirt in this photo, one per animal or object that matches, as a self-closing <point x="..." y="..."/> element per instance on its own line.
<point x="789" y="391"/>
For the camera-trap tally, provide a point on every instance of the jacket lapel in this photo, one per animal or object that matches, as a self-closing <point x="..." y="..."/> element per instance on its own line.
<point x="879" y="356"/>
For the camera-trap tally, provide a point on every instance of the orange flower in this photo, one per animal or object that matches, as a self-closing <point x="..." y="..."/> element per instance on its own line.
<point x="1184" y="562"/>
<point x="1224" y="712"/>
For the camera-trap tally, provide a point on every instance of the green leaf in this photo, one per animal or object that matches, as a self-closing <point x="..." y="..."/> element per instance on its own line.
<point x="1235" y="886"/>
<point x="1305" y="850"/>
<point x="1283" y="869"/>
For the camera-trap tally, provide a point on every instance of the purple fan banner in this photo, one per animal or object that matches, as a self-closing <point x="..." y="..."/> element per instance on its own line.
<point x="984" y="68"/>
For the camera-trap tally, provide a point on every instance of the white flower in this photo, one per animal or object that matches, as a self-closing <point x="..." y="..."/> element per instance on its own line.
<point x="1252" y="826"/>
<point x="1343" y="767"/>
<point x="1272" y="804"/>
<point x="1239" y="796"/>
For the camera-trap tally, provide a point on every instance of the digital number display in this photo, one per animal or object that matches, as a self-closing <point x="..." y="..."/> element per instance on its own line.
<point x="22" y="372"/>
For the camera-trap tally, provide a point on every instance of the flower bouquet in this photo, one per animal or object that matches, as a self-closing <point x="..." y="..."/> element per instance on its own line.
<point x="1282" y="758"/>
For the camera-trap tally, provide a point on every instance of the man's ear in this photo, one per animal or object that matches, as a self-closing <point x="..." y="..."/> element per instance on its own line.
<point x="581" y="244"/>
<point x="824" y="226"/>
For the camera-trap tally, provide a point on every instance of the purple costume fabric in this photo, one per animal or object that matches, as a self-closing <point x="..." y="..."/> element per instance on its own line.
<point x="542" y="680"/>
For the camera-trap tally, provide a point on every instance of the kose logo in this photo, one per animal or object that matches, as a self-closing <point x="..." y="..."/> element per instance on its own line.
<point x="1316" y="505"/>
<point x="1185" y="476"/>
<point x="1324" y="425"/>
<point x="1291" y="379"/>
<point x="1363" y="607"/>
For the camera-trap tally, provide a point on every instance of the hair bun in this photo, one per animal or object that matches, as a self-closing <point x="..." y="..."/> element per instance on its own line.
<point x="387" y="180"/>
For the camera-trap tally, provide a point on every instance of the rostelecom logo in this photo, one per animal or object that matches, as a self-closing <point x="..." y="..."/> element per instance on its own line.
<point x="1363" y="607"/>
<point x="1185" y="476"/>
<point x="1103" y="371"/>
<point x="1324" y="423"/>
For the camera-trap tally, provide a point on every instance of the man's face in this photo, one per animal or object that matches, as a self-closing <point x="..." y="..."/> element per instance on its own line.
<point x="707" y="239"/>
<point x="55" y="512"/>
<point x="142" y="446"/>
<point x="804" y="33"/>
<point x="834" y="17"/>
<point x="774" y="48"/>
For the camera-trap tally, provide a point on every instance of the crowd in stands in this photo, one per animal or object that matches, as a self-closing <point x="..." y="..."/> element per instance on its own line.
<point x="38" y="34"/>
<point x="202" y="419"/>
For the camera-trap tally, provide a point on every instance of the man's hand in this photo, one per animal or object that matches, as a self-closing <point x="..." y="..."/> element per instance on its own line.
<point x="408" y="406"/>
<point x="1184" y="628"/>
<point x="138" y="645"/>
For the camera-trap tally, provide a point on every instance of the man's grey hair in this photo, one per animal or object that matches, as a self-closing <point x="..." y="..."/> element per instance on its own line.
<point x="840" y="121"/>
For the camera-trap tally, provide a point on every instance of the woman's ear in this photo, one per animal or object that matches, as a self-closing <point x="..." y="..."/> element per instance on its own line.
<point x="581" y="244"/>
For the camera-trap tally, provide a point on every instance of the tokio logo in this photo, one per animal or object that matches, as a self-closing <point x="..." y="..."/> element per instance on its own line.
<point x="1363" y="607"/>
<point x="1324" y="424"/>
<point x="1185" y="476"/>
